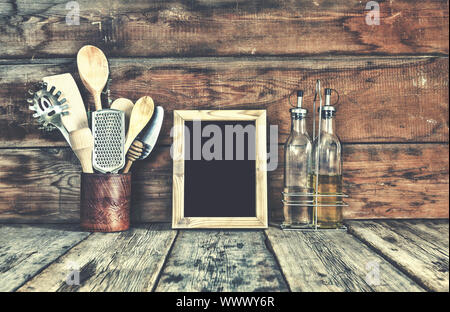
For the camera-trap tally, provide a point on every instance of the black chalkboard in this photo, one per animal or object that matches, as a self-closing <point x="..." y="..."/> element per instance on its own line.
<point x="219" y="187"/>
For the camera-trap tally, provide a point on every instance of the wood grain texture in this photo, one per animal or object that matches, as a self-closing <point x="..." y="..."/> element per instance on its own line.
<point x="383" y="181"/>
<point x="82" y="143"/>
<point x="126" y="106"/>
<point x="93" y="69"/>
<point x="421" y="253"/>
<point x="127" y="261"/>
<point x="178" y="166"/>
<point x="222" y="27"/>
<point x="105" y="202"/>
<point x="39" y="184"/>
<point x="76" y="117"/>
<point x="381" y="99"/>
<point x="140" y="115"/>
<point x="43" y="185"/>
<point x="208" y="260"/>
<point x="335" y="261"/>
<point x="262" y="211"/>
<point x="25" y="250"/>
<point x="134" y="152"/>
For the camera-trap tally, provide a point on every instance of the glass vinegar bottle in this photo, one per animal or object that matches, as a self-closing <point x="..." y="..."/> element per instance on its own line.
<point x="298" y="168"/>
<point x="327" y="159"/>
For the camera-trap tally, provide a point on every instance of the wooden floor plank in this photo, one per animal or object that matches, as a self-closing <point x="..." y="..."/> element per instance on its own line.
<point x="26" y="249"/>
<point x="125" y="261"/>
<point x="423" y="255"/>
<point x="333" y="261"/>
<point x="426" y="231"/>
<point x="209" y="260"/>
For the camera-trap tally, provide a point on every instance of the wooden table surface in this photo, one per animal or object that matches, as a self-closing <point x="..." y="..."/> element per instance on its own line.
<point x="407" y="255"/>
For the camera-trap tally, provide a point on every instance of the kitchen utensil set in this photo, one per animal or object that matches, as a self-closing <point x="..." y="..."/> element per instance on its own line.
<point x="58" y="104"/>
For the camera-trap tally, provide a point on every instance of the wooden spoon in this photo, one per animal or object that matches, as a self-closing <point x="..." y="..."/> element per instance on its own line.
<point x="141" y="114"/>
<point x="82" y="145"/>
<point x="144" y="143"/>
<point x="126" y="106"/>
<point x="94" y="72"/>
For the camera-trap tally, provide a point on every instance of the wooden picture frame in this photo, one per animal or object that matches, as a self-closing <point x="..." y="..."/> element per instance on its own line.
<point x="179" y="221"/>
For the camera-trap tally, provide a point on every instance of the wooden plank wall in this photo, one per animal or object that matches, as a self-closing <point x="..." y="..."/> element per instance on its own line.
<point x="392" y="79"/>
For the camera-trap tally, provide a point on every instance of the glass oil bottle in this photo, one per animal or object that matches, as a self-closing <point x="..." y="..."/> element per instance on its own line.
<point x="297" y="208"/>
<point x="327" y="160"/>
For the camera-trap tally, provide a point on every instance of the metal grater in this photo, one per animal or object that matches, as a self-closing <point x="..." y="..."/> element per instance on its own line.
<point x="108" y="129"/>
<point x="150" y="134"/>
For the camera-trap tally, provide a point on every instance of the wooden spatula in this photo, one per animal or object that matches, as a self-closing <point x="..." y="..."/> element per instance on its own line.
<point x="126" y="106"/>
<point x="141" y="114"/>
<point x="93" y="68"/>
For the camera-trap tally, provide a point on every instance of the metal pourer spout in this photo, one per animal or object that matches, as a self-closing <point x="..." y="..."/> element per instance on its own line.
<point x="327" y="97"/>
<point x="299" y="112"/>
<point x="328" y="111"/>
<point x="299" y="98"/>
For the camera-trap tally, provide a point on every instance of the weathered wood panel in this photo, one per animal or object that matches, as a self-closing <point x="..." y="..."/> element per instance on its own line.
<point x="222" y="27"/>
<point x="383" y="181"/>
<point x="386" y="181"/>
<point x="43" y="185"/>
<point x="381" y="99"/>
<point x="39" y="184"/>
<point x="333" y="261"/>
<point x="25" y="250"/>
<point x="126" y="261"/>
<point x="420" y="253"/>
<point x="221" y="261"/>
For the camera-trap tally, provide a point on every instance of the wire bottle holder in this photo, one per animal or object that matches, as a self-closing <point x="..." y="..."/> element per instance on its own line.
<point x="312" y="199"/>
